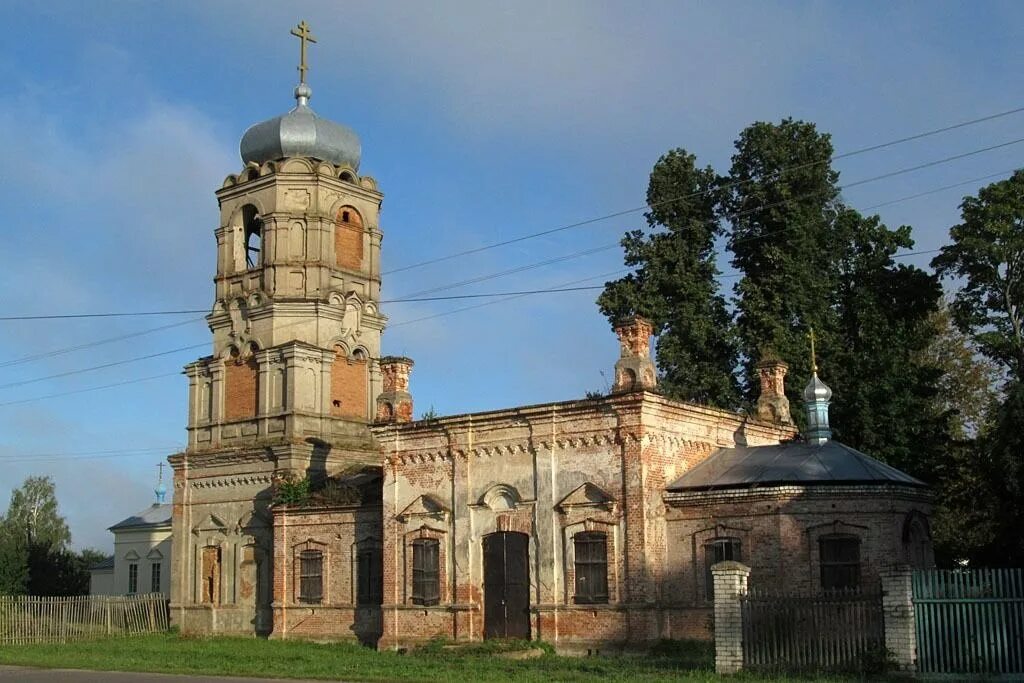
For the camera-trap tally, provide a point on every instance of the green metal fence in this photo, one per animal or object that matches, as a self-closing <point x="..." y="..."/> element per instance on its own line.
<point x="969" y="621"/>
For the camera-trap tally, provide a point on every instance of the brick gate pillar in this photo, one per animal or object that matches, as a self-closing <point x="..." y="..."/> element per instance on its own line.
<point x="898" y="615"/>
<point x="730" y="581"/>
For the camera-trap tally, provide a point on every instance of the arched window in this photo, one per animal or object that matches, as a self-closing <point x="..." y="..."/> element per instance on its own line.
<point x="426" y="571"/>
<point x="719" y="550"/>
<point x="839" y="556"/>
<point x="917" y="542"/>
<point x="591" y="565"/>
<point x="253" y="236"/>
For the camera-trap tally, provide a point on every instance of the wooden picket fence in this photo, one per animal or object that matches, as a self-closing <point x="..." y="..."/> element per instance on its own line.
<point x="835" y="630"/>
<point x="29" y="619"/>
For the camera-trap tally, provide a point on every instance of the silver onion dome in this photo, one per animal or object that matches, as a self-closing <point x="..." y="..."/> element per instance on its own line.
<point x="816" y="390"/>
<point x="301" y="133"/>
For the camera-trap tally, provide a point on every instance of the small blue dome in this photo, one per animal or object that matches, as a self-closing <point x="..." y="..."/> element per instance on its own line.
<point x="301" y="133"/>
<point x="161" y="492"/>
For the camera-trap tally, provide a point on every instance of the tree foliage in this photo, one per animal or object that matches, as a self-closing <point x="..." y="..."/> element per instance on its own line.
<point x="34" y="538"/>
<point x="33" y="513"/>
<point x="13" y="561"/>
<point x="981" y="499"/>
<point x="805" y="260"/>
<point x="987" y="253"/>
<point x="675" y="286"/>
<point x="781" y="203"/>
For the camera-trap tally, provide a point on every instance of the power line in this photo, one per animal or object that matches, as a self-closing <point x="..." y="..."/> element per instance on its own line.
<point x="620" y="271"/>
<point x="89" y="389"/>
<point x="624" y="212"/>
<point x="510" y="296"/>
<point x="492" y="294"/>
<point x="92" y="344"/>
<point x="415" y="296"/>
<point x="519" y="269"/>
<point x="62" y="454"/>
<point x="127" y="314"/>
<point x="732" y="216"/>
<point x="101" y="367"/>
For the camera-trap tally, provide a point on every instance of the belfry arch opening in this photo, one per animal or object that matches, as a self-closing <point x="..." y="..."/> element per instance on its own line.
<point x="252" y="230"/>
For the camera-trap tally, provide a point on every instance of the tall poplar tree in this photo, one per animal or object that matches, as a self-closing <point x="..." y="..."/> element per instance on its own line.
<point x="675" y="283"/>
<point x="781" y="202"/>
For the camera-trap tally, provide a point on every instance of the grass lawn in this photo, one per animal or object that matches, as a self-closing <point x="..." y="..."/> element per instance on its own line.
<point x="171" y="653"/>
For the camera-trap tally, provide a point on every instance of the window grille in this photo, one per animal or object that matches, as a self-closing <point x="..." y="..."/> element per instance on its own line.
<point x="311" y="576"/>
<point x="154" y="578"/>
<point x="133" y="578"/>
<point x="591" y="567"/>
<point x="426" y="571"/>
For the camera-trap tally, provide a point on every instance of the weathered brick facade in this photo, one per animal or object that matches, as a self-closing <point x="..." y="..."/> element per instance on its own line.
<point x="555" y="521"/>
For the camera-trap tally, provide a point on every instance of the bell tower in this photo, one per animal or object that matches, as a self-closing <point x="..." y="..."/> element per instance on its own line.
<point x="292" y="380"/>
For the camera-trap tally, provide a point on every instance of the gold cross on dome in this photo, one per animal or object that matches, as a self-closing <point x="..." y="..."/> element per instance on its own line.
<point x="302" y="33"/>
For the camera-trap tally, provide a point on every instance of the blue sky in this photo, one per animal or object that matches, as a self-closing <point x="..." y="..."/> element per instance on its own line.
<point x="481" y="122"/>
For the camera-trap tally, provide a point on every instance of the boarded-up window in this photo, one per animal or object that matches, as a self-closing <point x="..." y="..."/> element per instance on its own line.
<point x="240" y="388"/>
<point x="348" y="239"/>
<point x="426" y="571"/>
<point x="210" y="576"/>
<point x="349" y="386"/>
<point x="591" y="567"/>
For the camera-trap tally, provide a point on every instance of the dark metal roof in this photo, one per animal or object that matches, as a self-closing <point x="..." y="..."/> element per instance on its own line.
<point x="156" y="515"/>
<point x="794" y="462"/>
<point x="104" y="564"/>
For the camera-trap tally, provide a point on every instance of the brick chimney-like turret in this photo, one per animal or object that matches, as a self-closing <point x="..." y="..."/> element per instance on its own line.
<point x="772" y="404"/>
<point x="635" y="369"/>
<point x="394" y="404"/>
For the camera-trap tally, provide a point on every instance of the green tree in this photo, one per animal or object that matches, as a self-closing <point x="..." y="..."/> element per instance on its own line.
<point x="33" y="513"/>
<point x="13" y="561"/>
<point x="675" y="286"/>
<point x="987" y="255"/>
<point x="886" y="389"/>
<point x="781" y="202"/>
<point x="968" y="385"/>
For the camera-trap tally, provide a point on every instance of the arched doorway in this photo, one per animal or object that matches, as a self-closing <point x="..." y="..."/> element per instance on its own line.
<point x="507" y="585"/>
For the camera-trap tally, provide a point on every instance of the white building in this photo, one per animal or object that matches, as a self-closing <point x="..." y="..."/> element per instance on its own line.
<point x="142" y="553"/>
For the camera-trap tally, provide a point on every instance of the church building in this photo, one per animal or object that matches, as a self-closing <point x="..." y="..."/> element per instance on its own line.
<point x="309" y="503"/>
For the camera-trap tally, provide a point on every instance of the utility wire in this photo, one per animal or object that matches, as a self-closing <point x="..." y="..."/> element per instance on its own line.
<point x="88" y="389"/>
<point x="92" y="344"/>
<point x="131" y="314"/>
<point x="616" y="214"/>
<point x="101" y="367"/>
<point x="415" y="296"/>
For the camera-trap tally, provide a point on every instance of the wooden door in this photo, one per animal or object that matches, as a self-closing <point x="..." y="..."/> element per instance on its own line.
<point x="507" y="585"/>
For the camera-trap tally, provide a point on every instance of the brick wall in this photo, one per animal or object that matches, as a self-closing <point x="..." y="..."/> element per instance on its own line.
<point x="339" y="533"/>
<point x="348" y="239"/>
<point x="349" y="387"/>
<point x="240" y="389"/>
<point x="779" y="530"/>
